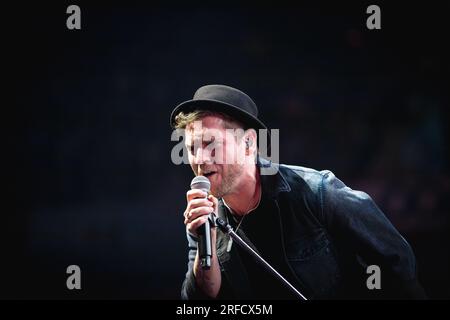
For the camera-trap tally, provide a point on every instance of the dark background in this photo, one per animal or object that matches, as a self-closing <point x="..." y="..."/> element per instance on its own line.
<point x="93" y="183"/>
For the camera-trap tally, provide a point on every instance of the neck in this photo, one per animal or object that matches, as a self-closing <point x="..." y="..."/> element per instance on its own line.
<point x="246" y="195"/>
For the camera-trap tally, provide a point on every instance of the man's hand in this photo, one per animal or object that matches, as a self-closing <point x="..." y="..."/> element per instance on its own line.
<point x="198" y="208"/>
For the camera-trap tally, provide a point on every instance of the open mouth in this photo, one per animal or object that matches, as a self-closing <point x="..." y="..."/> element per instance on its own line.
<point x="209" y="174"/>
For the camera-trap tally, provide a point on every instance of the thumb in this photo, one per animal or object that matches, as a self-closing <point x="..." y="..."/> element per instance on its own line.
<point x="215" y="203"/>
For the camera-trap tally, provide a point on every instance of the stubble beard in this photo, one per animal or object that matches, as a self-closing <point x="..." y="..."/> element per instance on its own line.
<point x="229" y="181"/>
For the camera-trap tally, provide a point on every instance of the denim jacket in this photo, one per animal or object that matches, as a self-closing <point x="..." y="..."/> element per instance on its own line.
<point x="331" y="234"/>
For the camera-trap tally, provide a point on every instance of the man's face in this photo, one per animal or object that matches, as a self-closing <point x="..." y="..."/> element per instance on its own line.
<point x="215" y="153"/>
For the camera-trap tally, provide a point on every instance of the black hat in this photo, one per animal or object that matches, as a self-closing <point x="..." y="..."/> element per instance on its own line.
<point x="228" y="100"/>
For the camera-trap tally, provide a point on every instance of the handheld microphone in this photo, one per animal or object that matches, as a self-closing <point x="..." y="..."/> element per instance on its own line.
<point x="204" y="231"/>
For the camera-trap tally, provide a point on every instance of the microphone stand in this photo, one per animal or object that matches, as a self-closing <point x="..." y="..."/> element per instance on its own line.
<point x="225" y="227"/>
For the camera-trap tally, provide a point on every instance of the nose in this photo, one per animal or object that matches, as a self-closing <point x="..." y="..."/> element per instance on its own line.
<point x="203" y="156"/>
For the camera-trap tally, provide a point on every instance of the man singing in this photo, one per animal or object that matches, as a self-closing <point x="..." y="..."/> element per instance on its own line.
<point x="315" y="231"/>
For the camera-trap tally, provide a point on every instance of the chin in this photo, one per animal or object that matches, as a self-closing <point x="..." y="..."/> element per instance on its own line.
<point x="216" y="193"/>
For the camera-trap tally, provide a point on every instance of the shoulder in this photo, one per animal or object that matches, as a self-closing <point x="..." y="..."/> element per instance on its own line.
<point x="312" y="178"/>
<point x="324" y="183"/>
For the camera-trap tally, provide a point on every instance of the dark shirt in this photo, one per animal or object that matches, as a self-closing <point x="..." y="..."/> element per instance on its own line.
<point x="262" y="228"/>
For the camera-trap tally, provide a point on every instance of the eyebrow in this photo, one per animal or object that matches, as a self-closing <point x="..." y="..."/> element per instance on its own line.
<point x="213" y="139"/>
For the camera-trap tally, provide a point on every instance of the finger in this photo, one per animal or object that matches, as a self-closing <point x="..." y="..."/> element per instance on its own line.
<point x="194" y="225"/>
<point x="198" y="203"/>
<point x="215" y="202"/>
<point x="200" y="211"/>
<point x="195" y="193"/>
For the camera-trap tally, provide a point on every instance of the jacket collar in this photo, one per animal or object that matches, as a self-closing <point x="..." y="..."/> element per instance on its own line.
<point x="272" y="184"/>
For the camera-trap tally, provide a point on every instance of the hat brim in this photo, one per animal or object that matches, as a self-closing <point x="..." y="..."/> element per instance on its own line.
<point x="214" y="105"/>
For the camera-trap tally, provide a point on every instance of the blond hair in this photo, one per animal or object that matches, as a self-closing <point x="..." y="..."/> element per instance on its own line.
<point x="183" y="119"/>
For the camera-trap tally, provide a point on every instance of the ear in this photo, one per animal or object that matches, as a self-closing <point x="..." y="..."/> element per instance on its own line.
<point x="250" y="140"/>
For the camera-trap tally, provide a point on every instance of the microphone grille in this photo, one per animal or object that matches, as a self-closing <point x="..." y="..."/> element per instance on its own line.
<point x="201" y="182"/>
